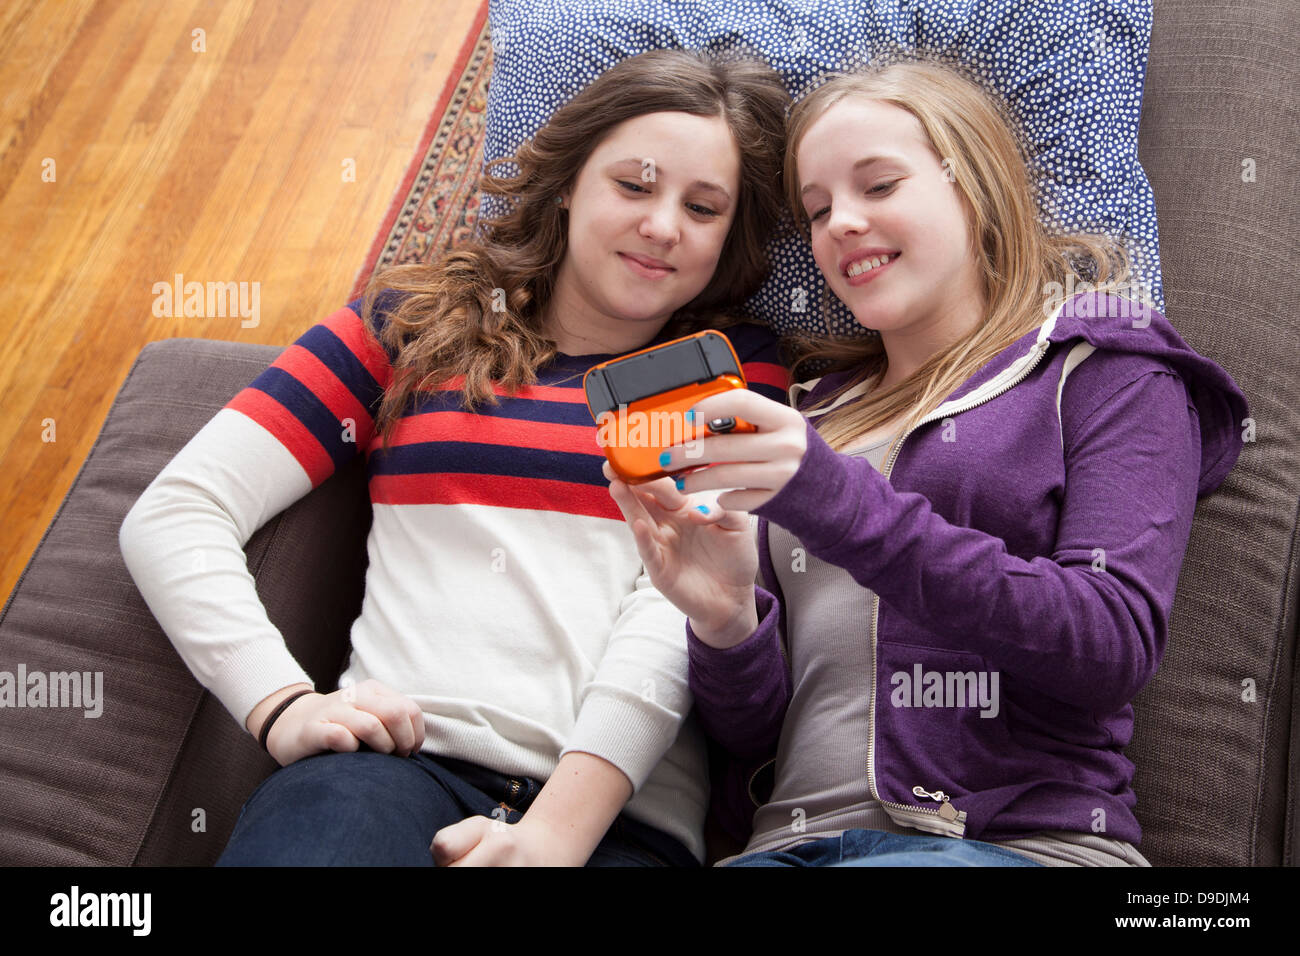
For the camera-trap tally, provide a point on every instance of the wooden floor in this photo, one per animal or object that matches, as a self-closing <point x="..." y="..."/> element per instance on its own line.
<point x="133" y="149"/>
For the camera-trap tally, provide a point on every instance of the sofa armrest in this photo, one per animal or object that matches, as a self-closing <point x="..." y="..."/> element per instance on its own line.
<point x="160" y="774"/>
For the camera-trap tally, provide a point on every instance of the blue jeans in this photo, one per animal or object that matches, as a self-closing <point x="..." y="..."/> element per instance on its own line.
<point x="876" y="848"/>
<point x="365" y="808"/>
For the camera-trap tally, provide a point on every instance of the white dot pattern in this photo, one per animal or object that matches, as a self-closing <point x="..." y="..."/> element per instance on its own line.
<point x="1071" y="70"/>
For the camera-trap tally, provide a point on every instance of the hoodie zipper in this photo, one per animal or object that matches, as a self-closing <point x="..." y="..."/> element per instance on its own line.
<point x="945" y="812"/>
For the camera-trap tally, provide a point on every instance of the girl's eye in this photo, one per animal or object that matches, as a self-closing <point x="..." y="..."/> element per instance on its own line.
<point x="696" y="208"/>
<point x="880" y="189"/>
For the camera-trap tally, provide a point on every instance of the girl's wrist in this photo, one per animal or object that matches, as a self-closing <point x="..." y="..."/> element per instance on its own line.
<point x="722" y="634"/>
<point x="257" y="717"/>
<point x="575" y="808"/>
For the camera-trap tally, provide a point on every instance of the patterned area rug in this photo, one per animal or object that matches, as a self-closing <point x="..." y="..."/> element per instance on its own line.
<point x="437" y="203"/>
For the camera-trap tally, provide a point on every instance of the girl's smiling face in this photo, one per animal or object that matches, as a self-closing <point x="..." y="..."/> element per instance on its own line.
<point x="872" y="187"/>
<point x="649" y="214"/>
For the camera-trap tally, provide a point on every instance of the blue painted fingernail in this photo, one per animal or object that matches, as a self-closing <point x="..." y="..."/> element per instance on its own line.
<point x="664" y="458"/>
<point x="703" y="509"/>
<point x="690" y="416"/>
<point x="681" y="483"/>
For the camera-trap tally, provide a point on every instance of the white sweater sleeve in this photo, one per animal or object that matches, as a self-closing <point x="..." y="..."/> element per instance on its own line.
<point x="633" y="709"/>
<point x="183" y="542"/>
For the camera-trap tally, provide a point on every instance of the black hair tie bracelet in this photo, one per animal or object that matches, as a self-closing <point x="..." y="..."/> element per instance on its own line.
<point x="266" y="727"/>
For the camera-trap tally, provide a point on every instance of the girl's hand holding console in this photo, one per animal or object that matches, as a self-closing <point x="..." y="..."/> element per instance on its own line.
<point x="705" y="561"/>
<point x="757" y="465"/>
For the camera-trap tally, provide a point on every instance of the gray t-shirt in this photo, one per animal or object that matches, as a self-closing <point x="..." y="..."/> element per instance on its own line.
<point x="821" y="786"/>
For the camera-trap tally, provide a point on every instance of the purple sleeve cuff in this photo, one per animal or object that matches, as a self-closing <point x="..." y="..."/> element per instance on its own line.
<point x="741" y="692"/>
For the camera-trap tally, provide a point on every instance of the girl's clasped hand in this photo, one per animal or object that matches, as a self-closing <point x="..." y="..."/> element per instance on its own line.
<point x="367" y="713"/>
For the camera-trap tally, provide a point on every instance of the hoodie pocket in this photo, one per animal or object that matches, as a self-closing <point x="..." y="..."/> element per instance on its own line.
<point x="940" y="726"/>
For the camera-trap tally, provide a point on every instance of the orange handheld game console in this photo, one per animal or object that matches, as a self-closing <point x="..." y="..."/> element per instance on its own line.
<point x="639" y="401"/>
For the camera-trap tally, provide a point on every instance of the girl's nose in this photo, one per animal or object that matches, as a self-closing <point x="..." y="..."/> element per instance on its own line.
<point x="845" y="219"/>
<point x="660" y="224"/>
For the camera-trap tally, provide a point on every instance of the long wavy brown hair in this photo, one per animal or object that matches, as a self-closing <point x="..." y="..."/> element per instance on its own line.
<point x="446" y="326"/>
<point x="1021" y="259"/>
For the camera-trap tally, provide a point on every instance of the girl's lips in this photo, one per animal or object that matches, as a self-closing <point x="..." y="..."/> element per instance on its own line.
<point x="870" y="274"/>
<point x="647" y="272"/>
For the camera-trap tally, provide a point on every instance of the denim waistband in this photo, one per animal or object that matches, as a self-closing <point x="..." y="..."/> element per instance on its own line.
<point x="519" y="792"/>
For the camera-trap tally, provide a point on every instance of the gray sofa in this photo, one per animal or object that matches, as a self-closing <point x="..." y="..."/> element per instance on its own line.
<point x="160" y="775"/>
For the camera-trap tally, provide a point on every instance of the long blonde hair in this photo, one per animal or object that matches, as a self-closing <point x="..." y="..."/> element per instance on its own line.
<point x="1019" y="257"/>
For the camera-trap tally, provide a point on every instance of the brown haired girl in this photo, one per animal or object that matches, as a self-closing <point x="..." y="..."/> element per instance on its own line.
<point x="516" y="689"/>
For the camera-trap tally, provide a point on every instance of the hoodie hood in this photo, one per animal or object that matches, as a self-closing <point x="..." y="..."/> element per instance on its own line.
<point x="1121" y="325"/>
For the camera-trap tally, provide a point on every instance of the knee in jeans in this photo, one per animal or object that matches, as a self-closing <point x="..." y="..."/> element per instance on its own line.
<point x="356" y="774"/>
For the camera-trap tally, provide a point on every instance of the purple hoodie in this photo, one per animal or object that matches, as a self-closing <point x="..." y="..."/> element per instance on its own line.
<point x="1001" y="538"/>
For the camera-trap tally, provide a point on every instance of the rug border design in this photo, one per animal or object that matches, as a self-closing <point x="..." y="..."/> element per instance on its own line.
<point x="406" y="201"/>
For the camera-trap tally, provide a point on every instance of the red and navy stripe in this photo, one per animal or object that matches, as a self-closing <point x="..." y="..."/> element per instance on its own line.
<point x="333" y="373"/>
<point x="535" y="449"/>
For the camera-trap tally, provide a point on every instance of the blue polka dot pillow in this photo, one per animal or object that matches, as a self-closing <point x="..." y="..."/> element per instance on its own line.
<point x="1072" y="71"/>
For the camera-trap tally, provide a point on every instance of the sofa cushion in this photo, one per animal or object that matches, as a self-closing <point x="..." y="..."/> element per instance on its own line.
<point x="1216" y="736"/>
<point x="127" y="786"/>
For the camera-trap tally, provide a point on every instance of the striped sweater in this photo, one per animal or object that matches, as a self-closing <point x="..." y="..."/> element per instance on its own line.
<point x="504" y="592"/>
